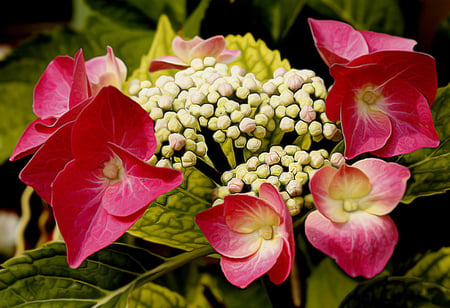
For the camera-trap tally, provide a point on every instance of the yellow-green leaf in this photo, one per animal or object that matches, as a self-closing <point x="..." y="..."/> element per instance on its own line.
<point x="153" y="295"/>
<point x="434" y="267"/>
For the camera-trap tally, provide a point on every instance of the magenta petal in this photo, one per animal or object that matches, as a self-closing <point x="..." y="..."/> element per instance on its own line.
<point x="381" y="41"/>
<point x="411" y="120"/>
<point x="80" y="89"/>
<point x="337" y="42"/>
<point x="211" y="47"/>
<point x="225" y="241"/>
<point x="166" y="63"/>
<point x="116" y="118"/>
<point x="282" y="269"/>
<point x="241" y="272"/>
<point x="362" y="246"/>
<point x="142" y="183"/>
<point x="388" y="181"/>
<point x="51" y="93"/>
<point x="48" y="161"/>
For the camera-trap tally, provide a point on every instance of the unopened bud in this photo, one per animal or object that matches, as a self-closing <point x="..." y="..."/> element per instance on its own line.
<point x="302" y="157"/>
<point x="177" y="141"/>
<point x="276" y="170"/>
<point x="261" y="119"/>
<point x="294" y="82"/>
<point x="189" y="159"/>
<point x="303" y="98"/>
<point x="329" y="130"/>
<point x="209" y="61"/>
<point x="302" y="177"/>
<point x="197" y="64"/>
<point x="294" y="205"/>
<point x="247" y="125"/>
<point x="294" y="188"/>
<point x="301" y="128"/>
<point x="272" y="158"/>
<point x="237" y="70"/>
<point x="274" y="181"/>
<point x="156" y="113"/>
<point x="250" y="177"/>
<point x="226" y="176"/>
<point x="287" y="124"/>
<point x="253" y="144"/>
<point x="184" y="82"/>
<point x="219" y="136"/>
<point x="287" y="97"/>
<point x="319" y="87"/>
<point x="295" y="167"/>
<point x="207" y="110"/>
<point x="226" y="89"/>
<point x="252" y="163"/>
<point x="337" y="159"/>
<point x="201" y="148"/>
<point x="259" y="132"/>
<point x="292" y="111"/>
<point x="315" y="128"/>
<point x="167" y="150"/>
<point x="286" y="177"/>
<point x="307" y="114"/>
<point x="233" y="132"/>
<point x="286" y="160"/>
<point x="280" y="111"/>
<point x="317" y="160"/>
<point x="164" y="163"/>
<point x="240" y="142"/>
<point x="235" y="185"/>
<point x="319" y="105"/>
<point x="269" y="88"/>
<point x="197" y="97"/>
<point x="236" y="116"/>
<point x="279" y="72"/>
<point x="242" y="92"/>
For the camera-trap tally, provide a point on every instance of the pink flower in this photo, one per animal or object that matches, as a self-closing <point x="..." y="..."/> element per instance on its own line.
<point x="186" y="51"/>
<point x="93" y="173"/>
<point x="351" y="223"/>
<point x="66" y="83"/>
<point x="383" y="102"/>
<point x="253" y="235"/>
<point x="338" y="42"/>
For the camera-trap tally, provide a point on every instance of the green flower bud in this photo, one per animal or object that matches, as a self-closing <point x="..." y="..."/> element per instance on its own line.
<point x="242" y="92"/>
<point x="261" y="119"/>
<point x="292" y="111"/>
<point x="219" y="136"/>
<point x="241" y="170"/>
<point x="263" y="171"/>
<point x="212" y="97"/>
<point x="212" y="124"/>
<point x="246" y="109"/>
<point x="253" y="144"/>
<point x="201" y="148"/>
<point x="291" y="149"/>
<point x="174" y="125"/>
<point x="223" y="191"/>
<point x="308" y="88"/>
<point x="276" y="170"/>
<point x="319" y="105"/>
<point x="280" y="111"/>
<point x="220" y="111"/>
<point x="302" y="177"/>
<point x="308" y="201"/>
<point x="233" y="132"/>
<point x="227" y="176"/>
<point x="267" y="110"/>
<point x="315" y="128"/>
<point x="153" y="160"/>
<point x="231" y="106"/>
<point x="317" y="160"/>
<point x="256" y="184"/>
<point x="188" y="159"/>
<point x="167" y="151"/>
<point x="236" y="116"/>
<point x="190" y="145"/>
<point x="275" y="101"/>
<point x="240" y="142"/>
<point x="163" y="134"/>
<point x="301" y="128"/>
<point x="294" y="205"/>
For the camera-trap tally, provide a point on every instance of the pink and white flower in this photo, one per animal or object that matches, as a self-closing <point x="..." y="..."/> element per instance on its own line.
<point x="93" y="173"/>
<point x="351" y="223"/>
<point x="253" y="235"/>
<point x="338" y="42"/>
<point x="187" y="50"/>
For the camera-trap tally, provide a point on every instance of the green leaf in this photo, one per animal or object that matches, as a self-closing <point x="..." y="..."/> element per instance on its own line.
<point x="191" y="27"/>
<point x="280" y="15"/>
<point x="380" y="16"/>
<point x="430" y="168"/>
<point x="397" y="292"/>
<point x="153" y="295"/>
<point x="434" y="267"/>
<point x="327" y="279"/>
<point x="256" y="57"/>
<point x="42" y="278"/>
<point x="170" y="219"/>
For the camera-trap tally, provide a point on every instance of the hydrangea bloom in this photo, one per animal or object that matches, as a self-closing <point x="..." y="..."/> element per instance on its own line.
<point x="383" y="102"/>
<point x="186" y="51"/>
<point x="64" y="85"/>
<point x="351" y="223"/>
<point x="253" y="235"/>
<point x="93" y="173"/>
<point x="338" y="42"/>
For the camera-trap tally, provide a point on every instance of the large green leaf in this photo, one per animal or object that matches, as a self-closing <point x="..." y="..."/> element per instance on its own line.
<point x="434" y="267"/>
<point x="170" y="219"/>
<point x="256" y="57"/>
<point x="153" y="295"/>
<point x="430" y="168"/>
<point x="398" y="292"/>
<point x="381" y="15"/>
<point x="42" y="278"/>
<point x="327" y="279"/>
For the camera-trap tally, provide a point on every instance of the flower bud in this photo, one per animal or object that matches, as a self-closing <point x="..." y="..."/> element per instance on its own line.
<point x="236" y="116"/>
<point x="274" y="181"/>
<point x="280" y="111"/>
<point x="294" y="205"/>
<point x="337" y="159"/>
<point x="279" y="72"/>
<point x="177" y="141"/>
<point x="156" y="113"/>
<point x="201" y="148"/>
<point x="167" y="151"/>
<point x="162" y="80"/>
<point x="164" y="163"/>
<point x="212" y="97"/>
<point x="292" y="111"/>
<point x="317" y="160"/>
<point x="184" y="82"/>
<point x="287" y="124"/>
<point x="219" y="136"/>
<point x="301" y="128"/>
<point x="235" y="185"/>
<point x="286" y="160"/>
<point x="237" y="71"/>
<point x="261" y="119"/>
<point x="287" y="97"/>
<point x="233" y="132"/>
<point x="302" y="177"/>
<point x="250" y="177"/>
<point x="197" y="64"/>
<point x="171" y="88"/>
<point x="276" y="170"/>
<point x="319" y="87"/>
<point x="263" y="171"/>
<point x="294" y="82"/>
<point x="189" y="159"/>
<point x="207" y="110"/>
<point x="302" y="157"/>
<point x="329" y="130"/>
<point x="247" y="125"/>
<point x="226" y="89"/>
<point x="272" y="158"/>
<point x="256" y="184"/>
<point x="253" y="144"/>
<point x="223" y="122"/>
<point x="315" y="128"/>
<point x="295" y="167"/>
<point x="197" y="97"/>
<point x="259" y="132"/>
<point x="307" y="114"/>
<point x="240" y="142"/>
<point x="303" y="98"/>
<point x="242" y="92"/>
<point x="269" y="87"/>
<point x="286" y="177"/>
<point x="226" y="176"/>
<point x="319" y="105"/>
<point x="252" y="163"/>
<point x="209" y="61"/>
<point x="174" y="125"/>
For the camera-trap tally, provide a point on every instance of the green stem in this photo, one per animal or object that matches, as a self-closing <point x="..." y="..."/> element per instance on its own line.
<point x="172" y="263"/>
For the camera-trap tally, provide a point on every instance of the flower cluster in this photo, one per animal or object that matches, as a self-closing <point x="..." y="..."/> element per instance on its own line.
<point x="91" y="165"/>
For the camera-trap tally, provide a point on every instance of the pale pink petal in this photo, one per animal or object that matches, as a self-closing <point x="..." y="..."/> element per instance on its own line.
<point x="318" y="185"/>
<point x="166" y="63"/>
<point x="228" y="55"/>
<point x="362" y="246"/>
<point x="225" y="241"/>
<point x="112" y="117"/>
<point x="211" y="47"/>
<point x="282" y="269"/>
<point x="349" y="182"/>
<point x="80" y="88"/>
<point x="411" y="120"/>
<point x="271" y="195"/>
<point x="51" y="93"/>
<point x="241" y="272"/>
<point x="182" y="48"/>
<point x="388" y="182"/>
<point x="337" y="42"/>
<point x="48" y="161"/>
<point x="381" y="41"/>
<point x="142" y="183"/>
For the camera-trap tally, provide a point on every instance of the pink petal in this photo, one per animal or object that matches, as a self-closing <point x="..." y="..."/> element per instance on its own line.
<point x="48" y="161"/>
<point x="182" y="48"/>
<point x="166" y="63"/>
<point x="142" y="184"/>
<point x="362" y="246"/>
<point x="85" y="226"/>
<point x="51" y="93"/>
<point x="212" y="47"/>
<point x="411" y="120"/>
<point x="80" y="88"/>
<point x="282" y="269"/>
<point x="112" y="117"/>
<point x="388" y="182"/>
<point x="228" y="55"/>
<point x="318" y="185"/>
<point x="241" y="272"/>
<point x="381" y="41"/>
<point x="271" y="195"/>
<point x="337" y="42"/>
<point x="225" y="241"/>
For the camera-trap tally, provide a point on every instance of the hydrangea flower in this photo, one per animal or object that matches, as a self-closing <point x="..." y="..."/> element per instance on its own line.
<point x="338" y="42"/>
<point x="197" y="47"/>
<point x="93" y="173"/>
<point x="383" y="102"/>
<point x="66" y="83"/>
<point x="351" y="223"/>
<point x="253" y="235"/>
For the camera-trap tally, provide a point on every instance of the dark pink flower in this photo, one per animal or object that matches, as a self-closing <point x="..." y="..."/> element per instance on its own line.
<point x="338" y="42"/>
<point x="66" y="83"/>
<point x="351" y="223"/>
<point x="186" y="51"/>
<point x="383" y="102"/>
<point x="93" y="173"/>
<point x="253" y="235"/>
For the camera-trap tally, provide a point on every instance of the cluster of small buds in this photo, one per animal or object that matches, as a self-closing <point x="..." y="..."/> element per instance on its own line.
<point x="289" y="168"/>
